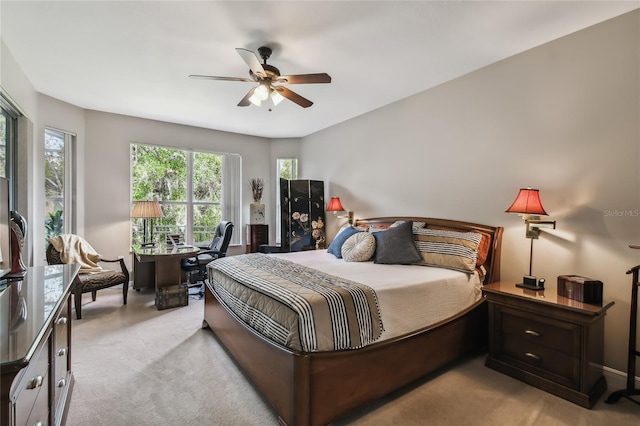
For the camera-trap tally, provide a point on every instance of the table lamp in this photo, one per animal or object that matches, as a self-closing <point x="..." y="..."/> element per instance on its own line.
<point x="147" y="210"/>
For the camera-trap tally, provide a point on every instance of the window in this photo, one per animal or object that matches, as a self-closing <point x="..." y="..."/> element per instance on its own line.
<point x="195" y="189"/>
<point x="286" y="168"/>
<point x="8" y="143"/>
<point x="5" y="125"/>
<point x="58" y="182"/>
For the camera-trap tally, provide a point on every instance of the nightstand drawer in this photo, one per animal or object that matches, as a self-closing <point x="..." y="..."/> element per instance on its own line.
<point x="543" y="346"/>
<point x="551" y="333"/>
<point x="542" y="360"/>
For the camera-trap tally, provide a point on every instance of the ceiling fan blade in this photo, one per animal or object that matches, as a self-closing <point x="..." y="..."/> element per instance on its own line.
<point x="252" y="60"/>
<point x="305" y="78"/>
<point x="213" y="77"/>
<point x="293" y="96"/>
<point x="245" y="101"/>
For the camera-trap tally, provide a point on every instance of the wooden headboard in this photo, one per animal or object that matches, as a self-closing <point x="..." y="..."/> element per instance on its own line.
<point x="494" y="233"/>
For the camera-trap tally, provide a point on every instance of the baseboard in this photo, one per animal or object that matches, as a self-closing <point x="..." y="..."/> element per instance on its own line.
<point x="617" y="379"/>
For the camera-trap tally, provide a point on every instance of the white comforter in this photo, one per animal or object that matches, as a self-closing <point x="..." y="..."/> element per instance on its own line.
<point x="411" y="297"/>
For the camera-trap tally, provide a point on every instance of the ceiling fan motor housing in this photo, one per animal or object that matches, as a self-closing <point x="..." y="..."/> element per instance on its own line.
<point x="264" y="52"/>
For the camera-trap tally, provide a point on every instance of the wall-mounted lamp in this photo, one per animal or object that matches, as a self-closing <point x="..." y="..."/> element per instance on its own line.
<point x="336" y="206"/>
<point x="528" y="204"/>
<point x="147" y="210"/>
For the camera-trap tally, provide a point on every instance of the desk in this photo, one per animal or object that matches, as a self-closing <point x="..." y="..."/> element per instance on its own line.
<point x="155" y="267"/>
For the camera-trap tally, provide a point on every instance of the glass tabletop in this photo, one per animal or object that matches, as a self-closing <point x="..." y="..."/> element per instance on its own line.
<point x="166" y="250"/>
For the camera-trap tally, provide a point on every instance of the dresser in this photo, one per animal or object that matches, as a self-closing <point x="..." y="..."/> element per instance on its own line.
<point x="548" y="341"/>
<point x="35" y="347"/>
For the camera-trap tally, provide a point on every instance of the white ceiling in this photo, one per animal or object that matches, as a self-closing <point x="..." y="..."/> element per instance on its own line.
<point x="133" y="58"/>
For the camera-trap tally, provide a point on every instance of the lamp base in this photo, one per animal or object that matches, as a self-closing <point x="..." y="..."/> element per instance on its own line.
<point x="531" y="283"/>
<point x="529" y="287"/>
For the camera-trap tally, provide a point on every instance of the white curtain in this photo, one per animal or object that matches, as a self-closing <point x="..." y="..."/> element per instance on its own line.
<point x="232" y="194"/>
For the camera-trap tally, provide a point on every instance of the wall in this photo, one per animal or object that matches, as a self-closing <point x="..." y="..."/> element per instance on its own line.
<point x="563" y="117"/>
<point x="107" y="178"/>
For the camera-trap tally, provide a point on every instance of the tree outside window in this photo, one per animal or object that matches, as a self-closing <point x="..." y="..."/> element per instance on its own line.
<point x="3" y="145"/>
<point x="58" y="182"/>
<point x="188" y="186"/>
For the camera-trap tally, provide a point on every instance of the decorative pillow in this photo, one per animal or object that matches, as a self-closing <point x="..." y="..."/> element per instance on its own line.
<point x="359" y="247"/>
<point x="448" y="249"/>
<point x="483" y="248"/>
<point x="335" y="248"/>
<point x="396" y="245"/>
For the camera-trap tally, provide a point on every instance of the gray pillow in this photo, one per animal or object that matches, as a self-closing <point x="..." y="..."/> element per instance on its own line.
<point x="396" y="245"/>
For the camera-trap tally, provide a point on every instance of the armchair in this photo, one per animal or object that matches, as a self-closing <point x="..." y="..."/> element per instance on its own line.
<point x="94" y="281"/>
<point x="196" y="267"/>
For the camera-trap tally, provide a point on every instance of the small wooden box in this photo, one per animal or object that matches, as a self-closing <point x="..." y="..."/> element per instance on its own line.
<point x="172" y="296"/>
<point x="583" y="289"/>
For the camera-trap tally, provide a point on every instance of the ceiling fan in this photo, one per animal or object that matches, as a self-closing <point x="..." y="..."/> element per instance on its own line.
<point x="270" y="82"/>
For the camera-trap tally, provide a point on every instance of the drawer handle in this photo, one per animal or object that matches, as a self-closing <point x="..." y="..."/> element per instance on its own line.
<point x="532" y="356"/>
<point x="61" y="383"/>
<point x="62" y="352"/>
<point x="36" y="382"/>
<point x="532" y="332"/>
<point x="61" y="320"/>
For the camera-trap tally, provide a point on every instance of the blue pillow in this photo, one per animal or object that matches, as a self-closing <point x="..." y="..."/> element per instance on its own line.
<point x="335" y="248"/>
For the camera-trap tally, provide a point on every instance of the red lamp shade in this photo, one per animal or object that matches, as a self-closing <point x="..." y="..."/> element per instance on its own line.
<point x="527" y="202"/>
<point x="335" y="205"/>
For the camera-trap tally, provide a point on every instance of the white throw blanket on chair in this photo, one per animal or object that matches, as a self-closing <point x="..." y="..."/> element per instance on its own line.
<point x="75" y="249"/>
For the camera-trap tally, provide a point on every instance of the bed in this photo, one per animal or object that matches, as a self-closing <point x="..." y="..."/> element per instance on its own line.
<point x="316" y="386"/>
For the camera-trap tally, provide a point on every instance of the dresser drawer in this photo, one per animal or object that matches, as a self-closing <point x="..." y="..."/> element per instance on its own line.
<point x="40" y="413"/>
<point x="32" y="391"/>
<point x="61" y="367"/>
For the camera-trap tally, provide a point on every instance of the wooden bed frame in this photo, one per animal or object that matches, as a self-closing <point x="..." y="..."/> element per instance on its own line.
<point x="318" y="387"/>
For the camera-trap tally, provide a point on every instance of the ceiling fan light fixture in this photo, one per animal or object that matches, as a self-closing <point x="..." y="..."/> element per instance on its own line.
<point x="276" y="97"/>
<point x="255" y="100"/>
<point x="262" y="92"/>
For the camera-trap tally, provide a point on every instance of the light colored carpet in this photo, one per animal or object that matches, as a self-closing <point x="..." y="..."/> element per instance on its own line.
<point x="135" y="365"/>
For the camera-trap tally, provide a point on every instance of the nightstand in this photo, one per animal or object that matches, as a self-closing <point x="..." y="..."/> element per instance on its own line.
<point x="548" y="341"/>
<point x="256" y="236"/>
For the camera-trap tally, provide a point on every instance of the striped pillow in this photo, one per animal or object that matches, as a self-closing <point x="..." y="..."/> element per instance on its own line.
<point x="448" y="249"/>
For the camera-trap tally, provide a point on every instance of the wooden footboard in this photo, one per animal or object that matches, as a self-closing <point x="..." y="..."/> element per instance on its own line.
<point x="316" y="388"/>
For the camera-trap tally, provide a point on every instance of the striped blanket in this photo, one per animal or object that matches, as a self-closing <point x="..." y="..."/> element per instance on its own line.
<point x="294" y="305"/>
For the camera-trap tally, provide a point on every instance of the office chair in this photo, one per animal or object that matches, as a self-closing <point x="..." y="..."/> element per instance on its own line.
<point x="196" y="267"/>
